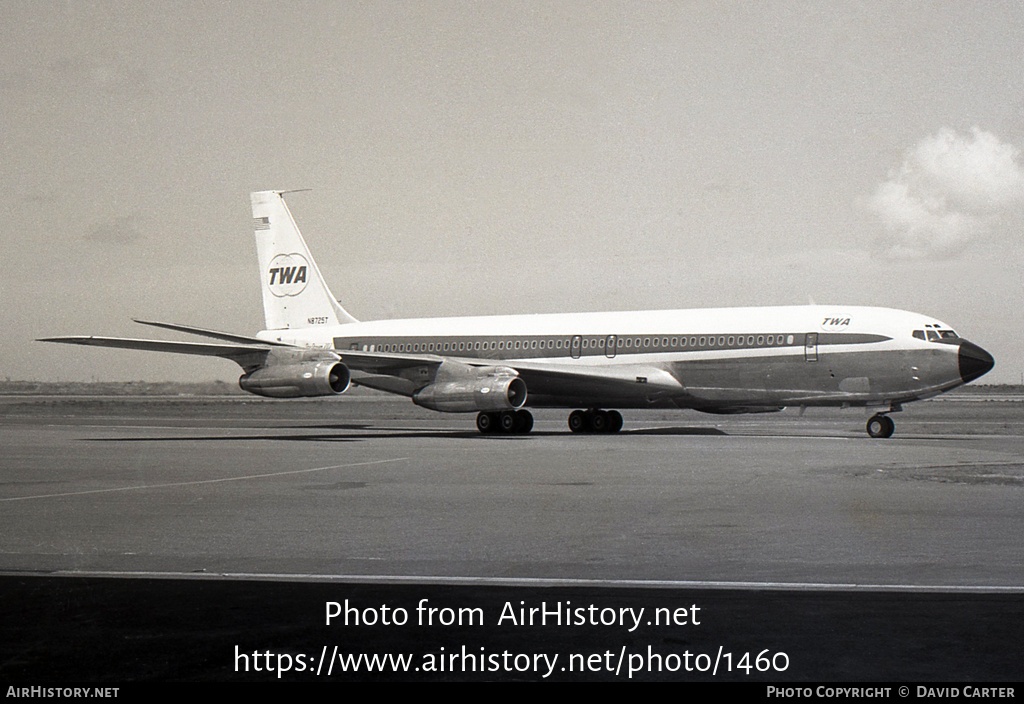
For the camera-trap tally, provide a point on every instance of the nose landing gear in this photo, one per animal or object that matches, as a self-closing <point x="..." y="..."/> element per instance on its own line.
<point x="881" y="425"/>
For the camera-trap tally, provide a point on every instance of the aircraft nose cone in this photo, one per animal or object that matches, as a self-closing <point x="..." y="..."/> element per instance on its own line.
<point x="974" y="361"/>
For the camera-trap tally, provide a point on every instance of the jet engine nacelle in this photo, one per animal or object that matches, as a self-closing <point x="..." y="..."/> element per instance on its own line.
<point x="486" y="393"/>
<point x="323" y="378"/>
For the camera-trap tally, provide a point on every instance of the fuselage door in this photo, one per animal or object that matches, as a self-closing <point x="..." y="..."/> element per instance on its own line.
<point x="811" y="347"/>
<point x="609" y="346"/>
<point x="576" y="346"/>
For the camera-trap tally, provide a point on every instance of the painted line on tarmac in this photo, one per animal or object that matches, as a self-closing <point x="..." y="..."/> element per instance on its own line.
<point x="205" y="481"/>
<point x="537" y="581"/>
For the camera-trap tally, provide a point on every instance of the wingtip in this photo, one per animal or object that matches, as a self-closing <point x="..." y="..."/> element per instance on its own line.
<point x="75" y="338"/>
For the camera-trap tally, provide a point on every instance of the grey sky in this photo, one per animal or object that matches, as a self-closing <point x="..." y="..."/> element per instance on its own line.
<point x="498" y="157"/>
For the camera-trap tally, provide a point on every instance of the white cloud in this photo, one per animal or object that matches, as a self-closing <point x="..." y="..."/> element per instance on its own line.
<point x="951" y="191"/>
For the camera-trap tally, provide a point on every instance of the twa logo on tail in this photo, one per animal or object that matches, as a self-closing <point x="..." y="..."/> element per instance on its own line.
<point x="287" y="275"/>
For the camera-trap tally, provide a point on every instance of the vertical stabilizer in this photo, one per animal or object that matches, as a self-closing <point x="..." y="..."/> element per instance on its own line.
<point x="295" y="294"/>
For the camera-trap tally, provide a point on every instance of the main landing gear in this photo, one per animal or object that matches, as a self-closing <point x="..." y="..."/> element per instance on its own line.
<point x="595" y="421"/>
<point x="521" y="422"/>
<point x="505" y="422"/>
<point x="881" y="425"/>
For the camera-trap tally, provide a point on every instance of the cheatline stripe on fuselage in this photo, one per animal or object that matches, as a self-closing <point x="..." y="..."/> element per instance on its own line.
<point x="575" y="346"/>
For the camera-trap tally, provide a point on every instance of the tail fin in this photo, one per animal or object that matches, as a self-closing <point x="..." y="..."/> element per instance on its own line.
<point x="294" y="292"/>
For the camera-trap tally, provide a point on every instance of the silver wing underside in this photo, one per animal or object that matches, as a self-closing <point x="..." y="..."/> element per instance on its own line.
<point x="246" y="356"/>
<point x="598" y="384"/>
<point x="548" y="384"/>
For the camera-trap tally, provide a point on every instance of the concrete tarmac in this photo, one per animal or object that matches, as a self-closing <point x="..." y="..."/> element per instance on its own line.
<point x="365" y="490"/>
<point x="380" y="487"/>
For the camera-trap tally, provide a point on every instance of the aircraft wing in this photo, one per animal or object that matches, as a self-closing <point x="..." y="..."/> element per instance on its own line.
<point x="246" y="355"/>
<point x="389" y="362"/>
<point x="376" y="362"/>
<point x="549" y="377"/>
<point x="542" y="378"/>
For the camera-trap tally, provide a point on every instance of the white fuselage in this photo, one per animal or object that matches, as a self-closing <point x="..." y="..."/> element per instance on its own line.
<point x="721" y="360"/>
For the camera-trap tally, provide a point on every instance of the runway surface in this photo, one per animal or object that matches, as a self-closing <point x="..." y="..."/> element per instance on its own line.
<point x="378" y="491"/>
<point x="371" y="487"/>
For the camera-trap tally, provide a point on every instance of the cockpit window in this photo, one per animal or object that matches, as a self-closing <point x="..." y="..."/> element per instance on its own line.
<point x="934" y="334"/>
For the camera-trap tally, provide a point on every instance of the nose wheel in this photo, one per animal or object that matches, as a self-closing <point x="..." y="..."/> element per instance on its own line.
<point x="880" y="426"/>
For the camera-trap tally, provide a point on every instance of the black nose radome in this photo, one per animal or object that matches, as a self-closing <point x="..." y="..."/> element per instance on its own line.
<point x="974" y="361"/>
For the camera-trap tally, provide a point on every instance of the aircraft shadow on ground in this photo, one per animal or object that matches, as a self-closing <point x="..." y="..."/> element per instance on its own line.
<point x="677" y="431"/>
<point x="396" y="433"/>
<point x="307" y="437"/>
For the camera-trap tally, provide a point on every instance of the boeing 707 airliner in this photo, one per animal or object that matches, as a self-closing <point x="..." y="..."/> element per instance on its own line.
<point x="724" y="360"/>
